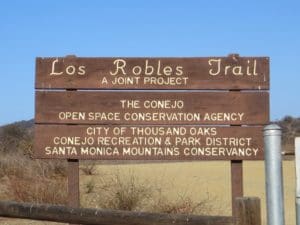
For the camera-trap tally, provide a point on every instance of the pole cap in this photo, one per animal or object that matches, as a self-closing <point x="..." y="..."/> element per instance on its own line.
<point x="272" y="130"/>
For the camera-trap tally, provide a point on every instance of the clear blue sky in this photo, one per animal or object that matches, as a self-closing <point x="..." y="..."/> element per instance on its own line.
<point x="147" y="28"/>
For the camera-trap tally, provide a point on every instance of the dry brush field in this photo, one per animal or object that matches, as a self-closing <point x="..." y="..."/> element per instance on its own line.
<point x="175" y="187"/>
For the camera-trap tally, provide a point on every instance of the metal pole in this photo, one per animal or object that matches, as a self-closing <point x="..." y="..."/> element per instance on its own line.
<point x="274" y="180"/>
<point x="297" y="162"/>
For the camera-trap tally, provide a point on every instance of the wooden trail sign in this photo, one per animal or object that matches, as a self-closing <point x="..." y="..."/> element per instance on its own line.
<point x="151" y="95"/>
<point x="250" y="73"/>
<point x="148" y="142"/>
<point x="141" y="108"/>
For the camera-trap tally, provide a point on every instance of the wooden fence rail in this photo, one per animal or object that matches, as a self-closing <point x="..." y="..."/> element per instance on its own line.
<point x="248" y="214"/>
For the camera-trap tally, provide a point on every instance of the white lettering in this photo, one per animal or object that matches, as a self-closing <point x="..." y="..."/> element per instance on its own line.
<point x="120" y="65"/>
<point x="53" y="73"/>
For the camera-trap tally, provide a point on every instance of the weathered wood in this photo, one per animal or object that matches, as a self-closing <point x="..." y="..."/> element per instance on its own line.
<point x="73" y="174"/>
<point x="232" y="72"/>
<point x="73" y="183"/>
<point x="83" y="107"/>
<point x="237" y="183"/>
<point x="164" y="142"/>
<point x="236" y="167"/>
<point x="248" y="211"/>
<point x="104" y="217"/>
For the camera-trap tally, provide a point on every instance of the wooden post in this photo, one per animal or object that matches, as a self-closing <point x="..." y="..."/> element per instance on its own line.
<point x="73" y="174"/>
<point x="236" y="167"/>
<point x="73" y="183"/>
<point x="248" y="211"/>
<point x="236" y="183"/>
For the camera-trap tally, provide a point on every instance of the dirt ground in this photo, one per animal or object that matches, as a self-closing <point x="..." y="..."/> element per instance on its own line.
<point x="197" y="180"/>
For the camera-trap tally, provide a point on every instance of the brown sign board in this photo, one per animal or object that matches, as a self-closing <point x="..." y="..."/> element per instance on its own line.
<point x="148" y="142"/>
<point x="151" y="108"/>
<point x="145" y="108"/>
<point x="202" y="73"/>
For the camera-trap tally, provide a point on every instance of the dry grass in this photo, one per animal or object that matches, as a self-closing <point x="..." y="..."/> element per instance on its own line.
<point x="197" y="181"/>
<point x="90" y="186"/>
<point x="88" y="167"/>
<point x="30" y="180"/>
<point x="38" y="190"/>
<point x="173" y="187"/>
<point x="123" y="194"/>
<point x="125" y="190"/>
<point x="184" y="205"/>
<point x="19" y="165"/>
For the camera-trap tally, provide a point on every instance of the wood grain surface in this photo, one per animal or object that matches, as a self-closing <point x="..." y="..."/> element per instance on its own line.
<point x="148" y="142"/>
<point x="92" y="107"/>
<point x="232" y="72"/>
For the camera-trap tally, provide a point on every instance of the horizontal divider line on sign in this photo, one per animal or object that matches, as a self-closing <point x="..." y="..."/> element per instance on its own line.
<point x="149" y="124"/>
<point x="154" y="90"/>
<point x="154" y="125"/>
